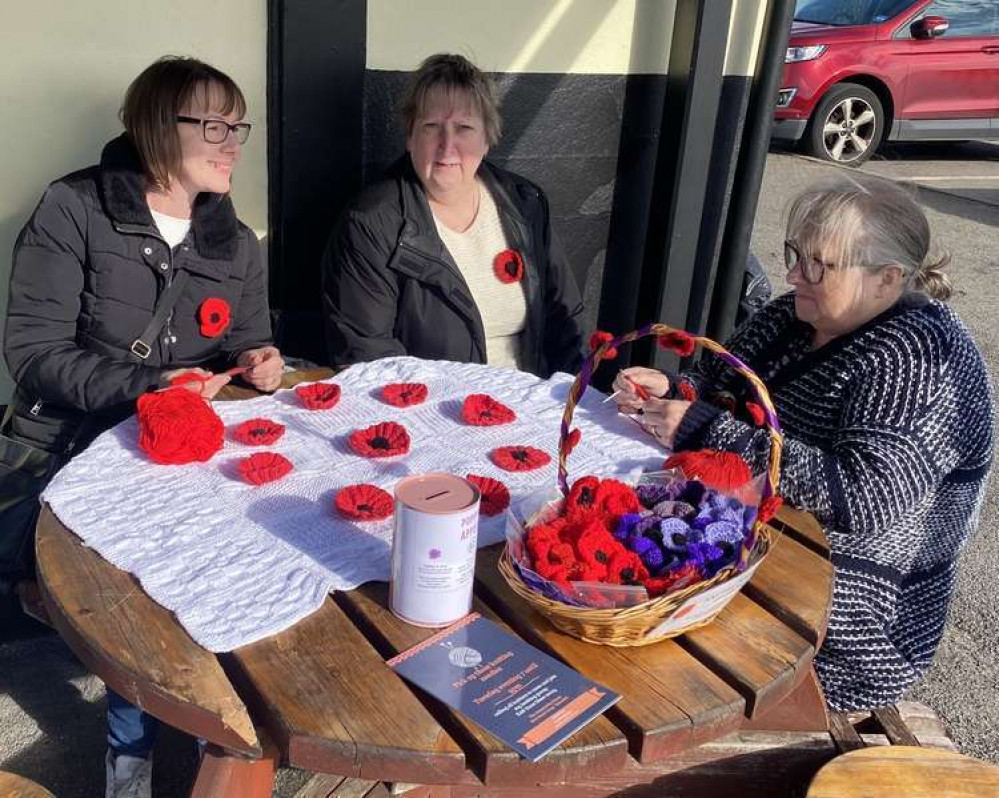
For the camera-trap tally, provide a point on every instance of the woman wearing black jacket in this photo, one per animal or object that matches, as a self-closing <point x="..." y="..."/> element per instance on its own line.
<point x="127" y="274"/>
<point x="450" y="257"/>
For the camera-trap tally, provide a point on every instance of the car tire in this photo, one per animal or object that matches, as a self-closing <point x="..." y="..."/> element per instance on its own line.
<point x="847" y="125"/>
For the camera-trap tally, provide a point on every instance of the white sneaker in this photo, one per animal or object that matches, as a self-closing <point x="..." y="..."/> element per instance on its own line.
<point x="128" y="776"/>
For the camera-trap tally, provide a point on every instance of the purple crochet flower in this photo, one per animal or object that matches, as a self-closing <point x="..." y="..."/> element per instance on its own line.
<point x="650" y="494"/>
<point x="704" y="517"/>
<point x="692" y="493"/>
<point x="673" y="509"/>
<point x="726" y="536"/>
<point x="709" y="559"/>
<point x="677" y="536"/>
<point x="647" y="549"/>
<point x="626" y="525"/>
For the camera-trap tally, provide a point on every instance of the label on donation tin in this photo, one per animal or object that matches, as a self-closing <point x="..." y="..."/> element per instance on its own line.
<point x="433" y="549"/>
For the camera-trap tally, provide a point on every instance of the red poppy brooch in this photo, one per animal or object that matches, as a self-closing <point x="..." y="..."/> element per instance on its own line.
<point x="363" y="503"/>
<point x="387" y="439"/>
<point x="495" y="495"/>
<point x="258" y="432"/>
<point x="519" y="458"/>
<point x="404" y="394"/>
<point x="264" y="467"/>
<point x="481" y="410"/>
<point x="213" y="316"/>
<point x="319" y="395"/>
<point x="177" y="426"/>
<point x="508" y="266"/>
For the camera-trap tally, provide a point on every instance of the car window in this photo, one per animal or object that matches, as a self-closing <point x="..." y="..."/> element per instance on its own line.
<point x="966" y="17"/>
<point x="848" y="12"/>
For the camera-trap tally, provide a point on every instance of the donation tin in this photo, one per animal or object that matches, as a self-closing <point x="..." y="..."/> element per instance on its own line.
<point x="433" y="549"/>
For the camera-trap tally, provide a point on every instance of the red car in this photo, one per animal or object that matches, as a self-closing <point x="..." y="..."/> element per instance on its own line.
<point x="859" y="72"/>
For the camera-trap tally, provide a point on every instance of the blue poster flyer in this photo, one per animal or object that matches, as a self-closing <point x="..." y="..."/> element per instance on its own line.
<point x="527" y="699"/>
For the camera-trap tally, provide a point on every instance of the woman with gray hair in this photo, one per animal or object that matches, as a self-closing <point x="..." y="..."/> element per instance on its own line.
<point x="888" y="419"/>
<point x="450" y="257"/>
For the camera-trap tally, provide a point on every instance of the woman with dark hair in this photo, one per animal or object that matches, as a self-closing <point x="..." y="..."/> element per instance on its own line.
<point x="888" y="419"/>
<point x="128" y="274"/>
<point x="450" y="257"/>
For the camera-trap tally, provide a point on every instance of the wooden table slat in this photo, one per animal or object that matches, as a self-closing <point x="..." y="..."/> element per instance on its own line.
<point x="328" y="699"/>
<point x="135" y="645"/>
<point x="794" y="583"/>
<point x="670" y="701"/>
<point x="804" y="528"/>
<point x="598" y="744"/>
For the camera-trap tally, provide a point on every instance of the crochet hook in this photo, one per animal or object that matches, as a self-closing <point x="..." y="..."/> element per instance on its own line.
<point x="641" y="391"/>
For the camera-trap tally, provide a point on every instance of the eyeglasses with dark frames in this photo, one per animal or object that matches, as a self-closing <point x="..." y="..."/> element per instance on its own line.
<point x="215" y="131"/>
<point x="812" y="269"/>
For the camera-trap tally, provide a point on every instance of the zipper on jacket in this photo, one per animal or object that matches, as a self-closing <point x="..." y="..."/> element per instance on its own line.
<point x="128" y="229"/>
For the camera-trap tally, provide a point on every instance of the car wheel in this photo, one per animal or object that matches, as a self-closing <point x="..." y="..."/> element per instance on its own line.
<point x="847" y="125"/>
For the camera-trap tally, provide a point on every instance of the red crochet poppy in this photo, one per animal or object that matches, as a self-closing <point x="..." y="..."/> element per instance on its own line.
<point x="213" y="316"/>
<point x="756" y="413"/>
<point x="264" y="467"/>
<point x="597" y="548"/>
<point x="626" y="568"/>
<point x="573" y="440"/>
<point x="319" y="395"/>
<point x="687" y="392"/>
<point x="519" y="458"/>
<point x="364" y="503"/>
<point x="386" y="439"/>
<point x="177" y="426"/>
<point x="558" y="563"/>
<point x="582" y="496"/>
<point x="495" y="495"/>
<point x="481" y="410"/>
<point x="674" y="580"/>
<point x="509" y="266"/>
<point x="404" y="394"/>
<point x="720" y="470"/>
<point x="616" y="498"/>
<point x="598" y="339"/>
<point x="768" y="508"/>
<point x="540" y="538"/>
<point x="677" y="341"/>
<point x="258" y="432"/>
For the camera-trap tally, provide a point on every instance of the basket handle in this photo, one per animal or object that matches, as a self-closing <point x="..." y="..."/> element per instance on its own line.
<point x="592" y="362"/>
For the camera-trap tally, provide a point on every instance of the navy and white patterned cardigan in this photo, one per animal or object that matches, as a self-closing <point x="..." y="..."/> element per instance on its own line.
<point x="889" y="441"/>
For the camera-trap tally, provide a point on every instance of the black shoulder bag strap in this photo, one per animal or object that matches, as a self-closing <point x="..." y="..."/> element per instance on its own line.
<point x="142" y="346"/>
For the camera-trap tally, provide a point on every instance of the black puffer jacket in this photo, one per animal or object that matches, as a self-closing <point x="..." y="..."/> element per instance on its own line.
<point x="390" y="287"/>
<point x="88" y="269"/>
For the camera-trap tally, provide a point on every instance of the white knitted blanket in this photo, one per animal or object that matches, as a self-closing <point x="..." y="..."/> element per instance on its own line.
<point x="237" y="563"/>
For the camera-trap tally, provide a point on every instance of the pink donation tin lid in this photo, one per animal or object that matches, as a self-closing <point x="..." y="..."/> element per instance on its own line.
<point x="438" y="494"/>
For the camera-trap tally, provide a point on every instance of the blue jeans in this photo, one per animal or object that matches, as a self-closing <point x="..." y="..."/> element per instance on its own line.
<point x="131" y="731"/>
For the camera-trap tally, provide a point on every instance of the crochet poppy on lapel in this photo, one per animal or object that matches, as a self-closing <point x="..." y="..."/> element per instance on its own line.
<point x="598" y="339"/>
<point x="519" y="458"/>
<point x="258" y="432"/>
<point x="481" y="410"/>
<point x="364" y="503"/>
<point x="264" y="467"/>
<point x="509" y="266"/>
<point x="495" y="495"/>
<point x="213" y="316"/>
<point x="687" y="392"/>
<point x="177" y="426"/>
<point x="387" y="439"/>
<point x="756" y="413"/>
<point x="404" y="394"/>
<point x="677" y="341"/>
<point x="319" y="395"/>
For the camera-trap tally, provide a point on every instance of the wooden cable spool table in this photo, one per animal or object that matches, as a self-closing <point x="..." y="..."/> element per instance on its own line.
<point x="319" y="696"/>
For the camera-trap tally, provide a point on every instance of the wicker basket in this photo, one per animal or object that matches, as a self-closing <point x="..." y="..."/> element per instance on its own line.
<point x="653" y="620"/>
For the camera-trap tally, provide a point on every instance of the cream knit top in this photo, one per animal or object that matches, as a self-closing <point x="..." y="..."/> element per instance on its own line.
<point x="502" y="306"/>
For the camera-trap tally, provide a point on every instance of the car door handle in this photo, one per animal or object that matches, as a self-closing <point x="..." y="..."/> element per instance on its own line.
<point x="991" y="49"/>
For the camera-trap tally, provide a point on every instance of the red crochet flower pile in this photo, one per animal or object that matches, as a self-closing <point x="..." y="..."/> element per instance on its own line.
<point x="319" y="395"/>
<point x="364" y="503"/>
<point x="213" y="317"/>
<point x="177" y="426"/>
<point x="508" y="266"/>
<point x="404" y="394"/>
<point x="519" y="458"/>
<point x="481" y="410"/>
<point x="264" y="467"/>
<point x="495" y="495"/>
<point x="258" y="432"/>
<point x="386" y="439"/>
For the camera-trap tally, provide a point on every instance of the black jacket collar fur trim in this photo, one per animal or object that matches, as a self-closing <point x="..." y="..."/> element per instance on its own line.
<point x="122" y="189"/>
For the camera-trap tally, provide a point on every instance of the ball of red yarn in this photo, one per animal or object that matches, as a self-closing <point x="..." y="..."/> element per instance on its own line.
<point x="177" y="426"/>
<point x="724" y="471"/>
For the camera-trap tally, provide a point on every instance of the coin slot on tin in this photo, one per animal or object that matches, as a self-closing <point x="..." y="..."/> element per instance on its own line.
<point x="433" y="496"/>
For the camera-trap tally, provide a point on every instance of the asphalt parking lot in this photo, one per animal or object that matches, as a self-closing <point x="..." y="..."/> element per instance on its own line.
<point x="52" y="710"/>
